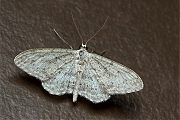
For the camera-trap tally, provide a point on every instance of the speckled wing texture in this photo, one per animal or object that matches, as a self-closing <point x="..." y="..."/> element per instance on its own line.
<point x="54" y="67"/>
<point x="103" y="77"/>
<point x="67" y="71"/>
<point x="115" y="78"/>
<point x="90" y="85"/>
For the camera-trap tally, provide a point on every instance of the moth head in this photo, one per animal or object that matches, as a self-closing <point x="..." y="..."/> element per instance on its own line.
<point x="83" y="46"/>
<point x="82" y="51"/>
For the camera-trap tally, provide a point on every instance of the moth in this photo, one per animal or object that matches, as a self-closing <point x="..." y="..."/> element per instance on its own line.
<point x="78" y="72"/>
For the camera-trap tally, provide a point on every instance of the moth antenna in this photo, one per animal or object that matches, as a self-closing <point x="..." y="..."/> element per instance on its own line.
<point x="63" y="39"/>
<point x="97" y="31"/>
<point x="77" y="28"/>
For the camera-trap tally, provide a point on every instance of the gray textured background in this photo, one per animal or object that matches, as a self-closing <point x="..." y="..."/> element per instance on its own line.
<point x="142" y="35"/>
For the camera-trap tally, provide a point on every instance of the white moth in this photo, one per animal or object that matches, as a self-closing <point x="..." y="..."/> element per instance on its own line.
<point x="78" y="72"/>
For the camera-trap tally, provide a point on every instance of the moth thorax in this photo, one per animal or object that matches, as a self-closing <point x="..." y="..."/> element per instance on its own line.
<point x="81" y="53"/>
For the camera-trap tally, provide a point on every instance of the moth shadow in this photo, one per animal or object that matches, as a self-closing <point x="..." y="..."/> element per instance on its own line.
<point x="34" y="85"/>
<point x="31" y="80"/>
<point x="126" y="105"/>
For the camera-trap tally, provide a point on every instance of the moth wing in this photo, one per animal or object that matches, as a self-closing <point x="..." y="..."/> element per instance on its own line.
<point x="63" y="81"/>
<point x="89" y="86"/>
<point x="115" y="78"/>
<point x="43" y="63"/>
